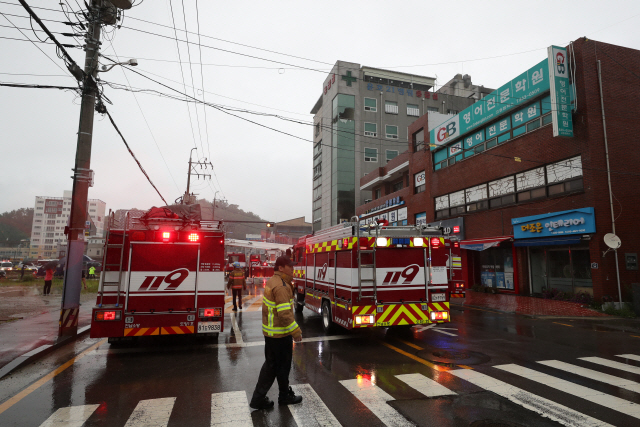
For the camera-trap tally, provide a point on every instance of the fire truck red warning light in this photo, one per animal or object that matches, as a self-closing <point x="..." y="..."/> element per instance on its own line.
<point x="166" y="235"/>
<point x="194" y="237"/>
<point x="435" y="242"/>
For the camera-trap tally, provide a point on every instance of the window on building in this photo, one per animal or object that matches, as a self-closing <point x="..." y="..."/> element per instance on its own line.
<point x="317" y="129"/>
<point x="317" y="169"/>
<point x="317" y="149"/>
<point x="433" y="109"/>
<point x="391" y="107"/>
<point x="413" y="110"/>
<point x="370" y="154"/>
<point x="370" y="104"/>
<point x="453" y="111"/>
<point x="391" y="154"/>
<point x="370" y="129"/>
<point x="397" y="186"/>
<point x="391" y="131"/>
<point x="418" y="143"/>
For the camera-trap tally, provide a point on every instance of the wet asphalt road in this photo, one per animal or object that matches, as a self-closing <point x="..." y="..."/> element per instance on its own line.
<point x="482" y="369"/>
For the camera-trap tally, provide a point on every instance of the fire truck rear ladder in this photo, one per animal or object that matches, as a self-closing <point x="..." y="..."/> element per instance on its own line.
<point x="117" y="283"/>
<point x="366" y="267"/>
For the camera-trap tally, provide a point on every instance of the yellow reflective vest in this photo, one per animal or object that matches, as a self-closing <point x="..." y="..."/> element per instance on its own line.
<point x="277" y="309"/>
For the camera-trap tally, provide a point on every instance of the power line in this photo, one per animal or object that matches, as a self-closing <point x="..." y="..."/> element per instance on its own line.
<point x="32" y="86"/>
<point x="147" y="123"/>
<point x="182" y="72"/>
<point x="134" y="157"/>
<point x="206" y="124"/>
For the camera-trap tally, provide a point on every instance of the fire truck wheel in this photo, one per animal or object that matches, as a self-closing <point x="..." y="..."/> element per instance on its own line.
<point x="327" y="322"/>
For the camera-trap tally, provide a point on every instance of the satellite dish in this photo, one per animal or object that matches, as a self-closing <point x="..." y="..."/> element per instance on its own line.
<point x="612" y="241"/>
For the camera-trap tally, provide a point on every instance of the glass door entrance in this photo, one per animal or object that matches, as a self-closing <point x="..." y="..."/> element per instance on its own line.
<point x="564" y="268"/>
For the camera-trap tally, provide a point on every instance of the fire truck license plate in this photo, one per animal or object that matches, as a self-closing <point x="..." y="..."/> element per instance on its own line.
<point x="204" y="327"/>
<point x="439" y="297"/>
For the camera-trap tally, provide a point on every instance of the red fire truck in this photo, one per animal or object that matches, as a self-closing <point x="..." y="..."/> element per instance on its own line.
<point x="259" y="271"/>
<point x="360" y="276"/>
<point x="235" y="257"/>
<point x="161" y="276"/>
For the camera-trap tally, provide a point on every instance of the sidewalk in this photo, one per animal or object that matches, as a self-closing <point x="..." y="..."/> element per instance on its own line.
<point x="29" y="320"/>
<point x="529" y="306"/>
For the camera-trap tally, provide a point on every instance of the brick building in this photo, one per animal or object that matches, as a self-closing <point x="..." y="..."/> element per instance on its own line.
<point x="532" y="209"/>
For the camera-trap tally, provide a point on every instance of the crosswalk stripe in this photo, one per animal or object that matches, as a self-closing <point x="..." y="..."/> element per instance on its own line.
<point x="72" y="416"/>
<point x="375" y="399"/>
<point x="533" y="402"/>
<point x="629" y="356"/>
<point x="230" y="408"/>
<point x="424" y="385"/>
<point x="594" y="375"/>
<point x="612" y="364"/>
<point x="612" y="402"/>
<point x="152" y="412"/>
<point x="236" y="330"/>
<point x="312" y="411"/>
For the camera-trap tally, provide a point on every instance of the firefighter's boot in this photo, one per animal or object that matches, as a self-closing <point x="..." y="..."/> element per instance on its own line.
<point x="290" y="398"/>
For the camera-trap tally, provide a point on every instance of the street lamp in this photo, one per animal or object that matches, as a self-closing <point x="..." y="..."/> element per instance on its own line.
<point x="133" y="62"/>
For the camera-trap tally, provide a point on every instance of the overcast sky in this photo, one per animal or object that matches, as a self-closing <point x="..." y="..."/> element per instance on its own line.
<point x="263" y="171"/>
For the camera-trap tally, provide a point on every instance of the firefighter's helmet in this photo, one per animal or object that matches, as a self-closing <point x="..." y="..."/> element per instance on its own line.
<point x="236" y="264"/>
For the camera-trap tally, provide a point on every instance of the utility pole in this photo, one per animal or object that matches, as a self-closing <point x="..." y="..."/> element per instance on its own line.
<point x="82" y="178"/>
<point x="188" y="198"/>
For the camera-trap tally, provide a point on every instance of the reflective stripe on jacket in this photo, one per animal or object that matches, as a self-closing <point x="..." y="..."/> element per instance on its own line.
<point x="236" y="279"/>
<point x="277" y="309"/>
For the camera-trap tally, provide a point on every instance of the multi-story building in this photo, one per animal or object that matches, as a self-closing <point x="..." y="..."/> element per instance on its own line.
<point x="533" y="178"/>
<point x="361" y="122"/>
<point x="51" y="216"/>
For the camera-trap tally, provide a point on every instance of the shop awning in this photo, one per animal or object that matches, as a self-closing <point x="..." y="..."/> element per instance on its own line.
<point x="548" y="241"/>
<point x="484" y="243"/>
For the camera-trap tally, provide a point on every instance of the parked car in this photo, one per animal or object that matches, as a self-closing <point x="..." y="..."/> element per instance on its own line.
<point x="6" y="265"/>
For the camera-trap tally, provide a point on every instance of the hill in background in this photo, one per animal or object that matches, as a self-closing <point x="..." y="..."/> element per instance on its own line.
<point x="230" y="212"/>
<point x="15" y="226"/>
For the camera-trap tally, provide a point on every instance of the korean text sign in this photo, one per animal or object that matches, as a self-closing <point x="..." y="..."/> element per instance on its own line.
<point x="526" y="86"/>
<point x="560" y="96"/>
<point x="575" y="221"/>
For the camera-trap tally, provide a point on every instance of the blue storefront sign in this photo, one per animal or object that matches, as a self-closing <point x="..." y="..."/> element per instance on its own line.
<point x="555" y="224"/>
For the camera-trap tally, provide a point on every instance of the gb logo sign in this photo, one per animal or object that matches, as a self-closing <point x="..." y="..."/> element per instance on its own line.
<point x="408" y="274"/>
<point x="173" y="279"/>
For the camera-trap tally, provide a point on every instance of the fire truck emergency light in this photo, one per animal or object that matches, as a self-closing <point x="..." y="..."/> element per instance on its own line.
<point x="166" y="235"/>
<point x="369" y="319"/>
<point x="210" y="312"/>
<point x="418" y="241"/>
<point x="194" y="237"/>
<point x="108" y="315"/>
<point x="439" y="315"/>
<point x="435" y="242"/>
<point x="381" y="242"/>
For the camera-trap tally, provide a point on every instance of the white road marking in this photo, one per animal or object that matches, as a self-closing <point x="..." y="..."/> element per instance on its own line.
<point x="595" y="396"/>
<point x="612" y="364"/>
<point x="375" y="399"/>
<point x="236" y="330"/>
<point x="444" y="332"/>
<point x="629" y="356"/>
<point x="312" y="411"/>
<point x="230" y="409"/>
<point x="72" y="416"/>
<point x="423" y="328"/>
<point x="152" y="412"/>
<point x="424" y="385"/>
<point x="535" y="403"/>
<point x="594" y="375"/>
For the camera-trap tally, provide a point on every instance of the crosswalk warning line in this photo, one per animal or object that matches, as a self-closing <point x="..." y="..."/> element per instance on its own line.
<point x="152" y="412"/>
<point x="375" y="399"/>
<point x="424" y="385"/>
<point x="312" y="411"/>
<point x="72" y="416"/>
<point x="594" y="375"/>
<point x="612" y="364"/>
<point x="611" y="402"/>
<point x="629" y="356"/>
<point x="533" y="402"/>
<point x="230" y="408"/>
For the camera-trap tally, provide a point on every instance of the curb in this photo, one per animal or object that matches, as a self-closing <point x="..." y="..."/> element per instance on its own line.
<point x="39" y="352"/>
<point x="537" y="316"/>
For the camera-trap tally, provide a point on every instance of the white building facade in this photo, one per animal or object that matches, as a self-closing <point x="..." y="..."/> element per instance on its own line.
<point x="51" y="216"/>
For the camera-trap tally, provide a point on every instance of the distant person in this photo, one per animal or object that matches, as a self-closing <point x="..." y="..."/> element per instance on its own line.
<point x="237" y="283"/>
<point x="22" y="271"/>
<point x="280" y="330"/>
<point x="48" y="277"/>
<point x="92" y="272"/>
<point x="84" y="279"/>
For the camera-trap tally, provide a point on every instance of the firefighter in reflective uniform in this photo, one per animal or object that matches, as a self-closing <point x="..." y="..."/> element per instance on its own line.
<point x="237" y="283"/>
<point x="280" y="330"/>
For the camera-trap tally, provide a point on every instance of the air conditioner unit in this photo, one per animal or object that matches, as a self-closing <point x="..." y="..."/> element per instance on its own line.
<point x="368" y="200"/>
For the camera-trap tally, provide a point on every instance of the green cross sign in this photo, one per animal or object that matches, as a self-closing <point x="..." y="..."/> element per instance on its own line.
<point x="349" y="78"/>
